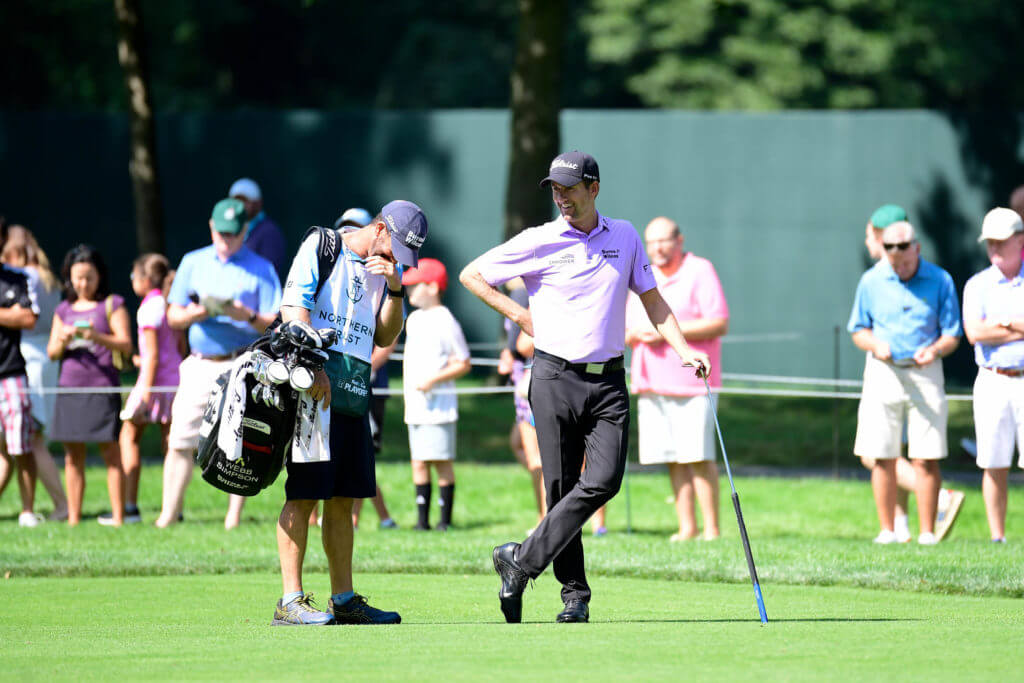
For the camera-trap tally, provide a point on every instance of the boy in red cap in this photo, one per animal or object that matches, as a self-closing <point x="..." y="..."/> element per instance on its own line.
<point x="435" y="355"/>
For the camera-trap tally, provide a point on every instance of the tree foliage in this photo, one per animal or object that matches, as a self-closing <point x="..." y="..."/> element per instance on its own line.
<point x="775" y="54"/>
<point x="412" y="54"/>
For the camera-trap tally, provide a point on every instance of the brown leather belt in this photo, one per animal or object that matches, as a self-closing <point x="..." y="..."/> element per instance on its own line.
<point x="1008" y="372"/>
<point x="219" y="356"/>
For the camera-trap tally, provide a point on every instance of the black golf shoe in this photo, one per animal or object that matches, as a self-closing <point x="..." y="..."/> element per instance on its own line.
<point x="513" y="581"/>
<point x="575" y="612"/>
<point x="357" y="611"/>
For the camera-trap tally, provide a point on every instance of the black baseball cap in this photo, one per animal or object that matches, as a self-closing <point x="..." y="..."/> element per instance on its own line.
<point x="571" y="168"/>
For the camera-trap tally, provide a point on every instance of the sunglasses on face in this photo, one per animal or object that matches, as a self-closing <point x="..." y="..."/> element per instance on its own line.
<point x="897" y="246"/>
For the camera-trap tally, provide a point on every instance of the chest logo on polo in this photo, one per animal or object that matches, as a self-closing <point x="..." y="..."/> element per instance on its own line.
<point x="610" y="253"/>
<point x="356" y="289"/>
<point x="564" y="259"/>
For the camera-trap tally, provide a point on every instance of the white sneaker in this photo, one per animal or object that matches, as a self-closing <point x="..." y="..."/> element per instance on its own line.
<point x="30" y="519"/>
<point x="903" y="535"/>
<point x="927" y="538"/>
<point x="885" y="537"/>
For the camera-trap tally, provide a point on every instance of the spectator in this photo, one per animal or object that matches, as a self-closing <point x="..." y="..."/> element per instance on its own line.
<point x="158" y="363"/>
<point x="994" y="323"/>
<point x="513" y="362"/>
<point x="950" y="500"/>
<point x="89" y="326"/>
<point x="263" y="236"/>
<point x="19" y="311"/>
<point x="436" y="355"/>
<point x="905" y="314"/>
<point x="22" y="251"/>
<point x="225" y="296"/>
<point x="673" y="420"/>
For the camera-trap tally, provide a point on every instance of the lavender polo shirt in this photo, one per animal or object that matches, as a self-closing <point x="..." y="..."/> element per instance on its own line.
<point x="578" y="284"/>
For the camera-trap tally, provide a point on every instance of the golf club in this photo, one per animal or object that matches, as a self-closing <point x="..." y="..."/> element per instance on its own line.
<point x="736" y="505"/>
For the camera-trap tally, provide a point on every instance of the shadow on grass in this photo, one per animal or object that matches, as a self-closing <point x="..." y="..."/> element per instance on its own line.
<point x="795" y="620"/>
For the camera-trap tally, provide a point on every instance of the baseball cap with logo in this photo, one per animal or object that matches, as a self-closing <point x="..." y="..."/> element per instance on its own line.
<point x="886" y="215"/>
<point x="428" y="270"/>
<point x="245" y="187"/>
<point x="354" y="217"/>
<point x="408" y="228"/>
<point x="1000" y="224"/>
<point x="571" y="168"/>
<point x="229" y="216"/>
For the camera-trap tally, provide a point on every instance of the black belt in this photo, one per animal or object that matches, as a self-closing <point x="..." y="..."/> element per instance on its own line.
<point x="603" y="368"/>
<point x="219" y="356"/>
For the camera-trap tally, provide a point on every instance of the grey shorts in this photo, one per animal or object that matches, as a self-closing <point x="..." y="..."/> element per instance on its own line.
<point x="432" y="442"/>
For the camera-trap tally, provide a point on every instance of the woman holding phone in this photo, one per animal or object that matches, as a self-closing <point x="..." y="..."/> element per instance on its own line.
<point x="89" y="326"/>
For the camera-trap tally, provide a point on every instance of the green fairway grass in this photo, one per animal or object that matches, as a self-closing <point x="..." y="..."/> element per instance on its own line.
<point x="803" y="531"/>
<point x="217" y="628"/>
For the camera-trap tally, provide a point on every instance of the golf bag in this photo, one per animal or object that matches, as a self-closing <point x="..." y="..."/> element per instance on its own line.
<point x="252" y="417"/>
<point x="262" y="431"/>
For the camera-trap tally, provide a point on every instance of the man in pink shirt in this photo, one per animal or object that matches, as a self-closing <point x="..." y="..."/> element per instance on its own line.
<point x="674" y="423"/>
<point x="578" y="270"/>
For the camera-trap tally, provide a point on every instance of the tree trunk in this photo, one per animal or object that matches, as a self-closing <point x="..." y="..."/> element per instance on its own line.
<point x="131" y="53"/>
<point x="536" y="83"/>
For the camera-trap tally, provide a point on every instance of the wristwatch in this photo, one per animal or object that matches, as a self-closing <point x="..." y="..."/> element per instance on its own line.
<point x="252" y="318"/>
<point x="398" y="294"/>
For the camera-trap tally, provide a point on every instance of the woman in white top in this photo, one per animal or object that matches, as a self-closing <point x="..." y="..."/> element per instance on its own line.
<point x="21" y="250"/>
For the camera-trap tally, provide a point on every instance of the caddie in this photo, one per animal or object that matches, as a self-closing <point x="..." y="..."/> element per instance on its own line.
<point x="362" y="300"/>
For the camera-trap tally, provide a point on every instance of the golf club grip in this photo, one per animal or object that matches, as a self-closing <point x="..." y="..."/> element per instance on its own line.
<point x="750" y="558"/>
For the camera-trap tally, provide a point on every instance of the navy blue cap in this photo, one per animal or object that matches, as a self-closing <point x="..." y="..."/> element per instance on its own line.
<point x="571" y="168"/>
<point x="408" y="228"/>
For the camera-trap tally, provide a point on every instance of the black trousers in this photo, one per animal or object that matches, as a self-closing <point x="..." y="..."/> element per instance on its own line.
<point x="576" y="413"/>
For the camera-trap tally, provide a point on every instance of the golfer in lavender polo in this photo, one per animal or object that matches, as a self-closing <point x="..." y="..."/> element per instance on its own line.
<point x="578" y="270"/>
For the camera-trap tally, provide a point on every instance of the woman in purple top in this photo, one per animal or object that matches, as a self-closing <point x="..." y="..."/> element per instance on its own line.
<point x="88" y="326"/>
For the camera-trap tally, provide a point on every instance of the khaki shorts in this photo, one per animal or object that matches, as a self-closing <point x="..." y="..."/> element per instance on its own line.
<point x="892" y="394"/>
<point x="198" y="378"/>
<point x="675" y="429"/>
<point x="998" y="419"/>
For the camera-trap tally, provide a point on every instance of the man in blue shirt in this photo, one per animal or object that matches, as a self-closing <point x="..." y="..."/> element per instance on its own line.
<point x="225" y="296"/>
<point x="905" y="315"/>
<point x="994" y="323"/>
<point x="262" y="234"/>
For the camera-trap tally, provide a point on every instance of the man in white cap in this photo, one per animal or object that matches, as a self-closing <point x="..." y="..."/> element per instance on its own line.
<point x="263" y="237"/>
<point x="994" y="323"/>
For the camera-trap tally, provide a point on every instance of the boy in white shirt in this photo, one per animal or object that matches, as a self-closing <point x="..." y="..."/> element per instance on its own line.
<point x="435" y="355"/>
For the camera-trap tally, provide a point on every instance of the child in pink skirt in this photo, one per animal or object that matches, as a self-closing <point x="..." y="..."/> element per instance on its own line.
<point x="159" y="358"/>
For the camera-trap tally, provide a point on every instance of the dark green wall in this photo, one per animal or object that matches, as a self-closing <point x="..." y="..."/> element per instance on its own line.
<point x="777" y="201"/>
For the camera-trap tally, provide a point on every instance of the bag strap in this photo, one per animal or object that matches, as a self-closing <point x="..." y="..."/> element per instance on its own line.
<point x="328" y="251"/>
<point x="108" y="304"/>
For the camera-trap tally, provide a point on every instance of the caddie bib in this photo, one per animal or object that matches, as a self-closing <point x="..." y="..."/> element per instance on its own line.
<point x="349" y="302"/>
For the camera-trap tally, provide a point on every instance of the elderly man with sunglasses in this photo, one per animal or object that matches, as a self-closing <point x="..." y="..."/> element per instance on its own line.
<point x="906" y="316"/>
